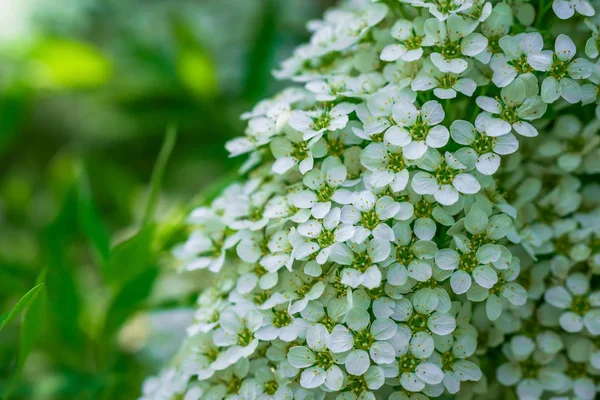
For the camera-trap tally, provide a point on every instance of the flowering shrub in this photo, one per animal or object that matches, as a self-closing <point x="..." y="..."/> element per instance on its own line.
<point x="419" y="216"/>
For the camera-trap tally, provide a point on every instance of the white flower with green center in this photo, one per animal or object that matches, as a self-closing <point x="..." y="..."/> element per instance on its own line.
<point x="202" y="251"/>
<point x="515" y="60"/>
<point x="369" y="215"/>
<point x="451" y="355"/>
<point x="411" y="39"/>
<point x="303" y="288"/>
<point x="376" y="115"/>
<point x="417" y="130"/>
<point x="581" y="307"/>
<point x="427" y="213"/>
<point x="495" y="27"/>
<point x="359" y="262"/>
<point x="562" y="71"/>
<point x="400" y="73"/>
<point x="329" y="89"/>
<point x="532" y="376"/>
<point x="445" y="179"/>
<point x="387" y="164"/>
<point x="565" y="9"/>
<point x="313" y="123"/>
<point x="412" y="257"/>
<point x="363" y="340"/>
<point x="323" y="187"/>
<point x="484" y="151"/>
<point x="518" y="104"/>
<point x="237" y="328"/>
<point x="323" y="237"/>
<point x="442" y="9"/>
<point x="316" y="313"/>
<point x="279" y="324"/>
<point x="445" y="85"/>
<point x="592" y="46"/>
<point x="273" y="384"/>
<point x="318" y="364"/>
<point x="454" y="40"/>
<point x="362" y="387"/>
<point x="292" y="150"/>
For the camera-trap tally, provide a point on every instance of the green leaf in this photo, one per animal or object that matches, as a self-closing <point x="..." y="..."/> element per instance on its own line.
<point x="130" y="257"/>
<point x="129" y="299"/>
<point x="90" y="221"/>
<point x="159" y="171"/>
<point x="20" y="306"/>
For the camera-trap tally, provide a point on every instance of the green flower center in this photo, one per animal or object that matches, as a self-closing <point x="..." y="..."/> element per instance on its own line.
<point x="417" y="322"/>
<point x="335" y="147"/>
<point x="448" y="361"/>
<point x="446" y="6"/>
<point x="369" y="219"/>
<point x="304" y="289"/>
<point x="321" y="122"/>
<point x="531" y="327"/>
<point x="483" y="144"/>
<point x="363" y="340"/>
<point x="509" y="114"/>
<point x="326" y="238"/>
<point x="580" y="305"/>
<point x="479" y="240"/>
<point x="233" y="385"/>
<point x="521" y="65"/>
<point x="451" y="50"/>
<point x="262" y="296"/>
<point x="576" y="144"/>
<point x="446" y="81"/>
<point x="559" y="68"/>
<point x="357" y="384"/>
<point x="408" y="363"/>
<point x="530" y="368"/>
<point x="362" y="262"/>
<point x="468" y="262"/>
<point x="562" y="245"/>
<point x="323" y="359"/>
<point x="211" y="354"/>
<point x="270" y="387"/>
<point x="259" y="270"/>
<point x="245" y="337"/>
<point x="419" y="130"/>
<point x="396" y="162"/>
<point x="377" y="138"/>
<point x="404" y="255"/>
<point x="494" y="45"/>
<point x="414" y="42"/>
<point x="328" y="323"/>
<point x="444" y="174"/>
<point x="423" y="208"/>
<point x="281" y="318"/>
<point x="300" y="150"/>
<point x="377" y="292"/>
<point x="576" y="370"/>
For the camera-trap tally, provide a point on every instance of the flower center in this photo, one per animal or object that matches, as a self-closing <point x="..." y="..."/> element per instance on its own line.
<point x="562" y="245"/>
<point x="408" y="363"/>
<point x="325" y="193"/>
<point x="369" y="219"/>
<point x="446" y="81"/>
<point x="324" y="359"/>
<point x="559" y="68"/>
<point x="321" y="122"/>
<point x="468" y="262"/>
<point x="335" y="147"/>
<point x="521" y="65"/>
<point x="328" y="323"/>
<point x="414" y="42"/>
<point x="444" y="174"/>
<point x="580" y="305"/>
<point x="530" y="368"/>
<point x="446" y="6"/>
<point x="479" y="240"/>
<point x="300" y="150"/>
<point x="261" y="297"/>
<point x="576" y="370"/>
<point x="419" y="130"/>
<point x="363" y="340"/>
<point x="326" y="238"/>
<point x="483" y="144"/>
<point x="494" y="45"/>
<point x="271" y="387"/>
<point x="233" y="386"/>
<point x="361" y="262"/>
<point x="509" y="114"/>
<point x="281" y="318"/>
<point x="396" y="162"/>
<point x="448" y="361"/>
<point x="404" y="255"/>
<point x="423" y="209"/>
<point x="451" y="50"/>
<point x="417" y="322"/>
<point x="576" y="144"/>
<point x="357" y="384"/>
<point x="245" y="337"/>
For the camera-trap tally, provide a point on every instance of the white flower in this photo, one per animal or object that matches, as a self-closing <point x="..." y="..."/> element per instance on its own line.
<point x="484" y="151"/>
<point x="445" y="179"/>
<point x="562" y="70"/>
<point x="515" y="60"/>
<point x="388" y="166"/>
<point x="411" y="40"/>
<point x="237" y="333"/>
<point x="454" y="39"/>
<point x="313" y="123"/>
<point x="370" y="214"/>
<point x="318" y="363"/>
<point x="360" y="261"/>
<point x="513" y="109"/>
<point x="581" y="308"/>
<point x="564" y="9"/>
<point x="445" y="85"/>
<point x="292" y="149"/>
<point x="417" y="130"/>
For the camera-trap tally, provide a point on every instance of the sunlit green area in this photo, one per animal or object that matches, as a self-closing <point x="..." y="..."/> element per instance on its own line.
<point x="95" y="96"/>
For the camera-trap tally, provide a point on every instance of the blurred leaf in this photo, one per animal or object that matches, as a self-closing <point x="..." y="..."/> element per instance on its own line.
<point x="159" y="171"/>
<point x="262" y="54"/>
<point x="20" y="306"/>
<point x="129" y="299"/>
<point x="69" y="64"/>
<point x="130" y="257"/>
<point x="12" y="111"/>
<point x="197" y="72"/>
<point x="90" y="221"/>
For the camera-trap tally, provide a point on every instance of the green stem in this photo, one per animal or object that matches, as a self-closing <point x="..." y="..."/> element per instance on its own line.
<point x="158" y="172"/>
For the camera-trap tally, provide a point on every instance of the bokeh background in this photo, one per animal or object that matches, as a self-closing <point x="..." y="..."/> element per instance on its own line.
<point x="87" y="90"/>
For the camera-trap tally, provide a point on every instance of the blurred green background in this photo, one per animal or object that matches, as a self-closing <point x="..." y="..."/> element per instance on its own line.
<point x="87" y="90"/>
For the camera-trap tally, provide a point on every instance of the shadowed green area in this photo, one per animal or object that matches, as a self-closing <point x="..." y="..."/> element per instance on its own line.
<point x="113" y="117"/>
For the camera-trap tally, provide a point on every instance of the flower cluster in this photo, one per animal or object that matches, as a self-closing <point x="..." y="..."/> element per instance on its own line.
<point x="419" y="215"/>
